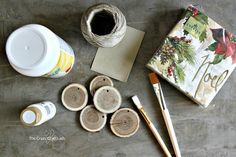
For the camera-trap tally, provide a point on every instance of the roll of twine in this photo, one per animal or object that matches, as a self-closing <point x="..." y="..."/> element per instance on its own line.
<point x="108" y="40"/>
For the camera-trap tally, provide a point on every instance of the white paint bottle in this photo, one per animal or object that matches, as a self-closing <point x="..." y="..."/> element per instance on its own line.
<point x="37" y="114"/>
<point x="34" y="50"/>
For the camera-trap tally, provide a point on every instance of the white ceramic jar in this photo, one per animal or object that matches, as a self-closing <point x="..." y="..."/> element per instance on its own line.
<point x="34" y="50"/>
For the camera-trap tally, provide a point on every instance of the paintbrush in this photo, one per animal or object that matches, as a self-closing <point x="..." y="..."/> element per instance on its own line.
<point x="158" y="91"/>
<point x="151" y="126"/>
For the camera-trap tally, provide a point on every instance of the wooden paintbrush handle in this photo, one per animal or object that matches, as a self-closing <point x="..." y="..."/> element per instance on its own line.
<point x="171" y="132"/>
<point x="159" y="139"/>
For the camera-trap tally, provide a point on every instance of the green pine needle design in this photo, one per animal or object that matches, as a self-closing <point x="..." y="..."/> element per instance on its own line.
<point x="171" y="54"/>
<point x="179" y="72"/>
<point x="185" y="51"/>
<point x="153" y="60"/>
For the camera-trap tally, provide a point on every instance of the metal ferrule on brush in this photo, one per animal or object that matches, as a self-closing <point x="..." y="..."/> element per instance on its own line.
<point x="159" y="94"/>
<point x="163" y="103"/>
<point x="145" y="115"/>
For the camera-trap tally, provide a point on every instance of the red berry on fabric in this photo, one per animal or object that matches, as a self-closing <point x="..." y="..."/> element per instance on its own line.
<point x="195" y="12"/>
<point x="170" y="70"/>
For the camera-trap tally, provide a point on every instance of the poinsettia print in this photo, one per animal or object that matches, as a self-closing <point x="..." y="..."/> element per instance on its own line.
<point x="224" y="45"/>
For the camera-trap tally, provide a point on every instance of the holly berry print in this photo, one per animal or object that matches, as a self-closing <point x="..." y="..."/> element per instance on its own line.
<point x="173" y="52"/>
<point x="224" y="45"/>
<point x="198" y="16"/>
<point x="197" y="56"/>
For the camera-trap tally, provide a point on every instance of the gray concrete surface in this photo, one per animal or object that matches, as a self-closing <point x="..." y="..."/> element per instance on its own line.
<point x="201" y="132"/>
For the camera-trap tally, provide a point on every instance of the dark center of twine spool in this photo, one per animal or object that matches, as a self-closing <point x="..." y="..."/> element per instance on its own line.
<point x="102" y="23"/>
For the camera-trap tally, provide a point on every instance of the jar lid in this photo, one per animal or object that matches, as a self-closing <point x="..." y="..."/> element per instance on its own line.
<point x="74" y="97"/>
<point x="26" y="48"/>
<point x="30" y="116"/>
<point x="33" y="50"/>
<point x="107" y="99"/>
<point x="98" y="82"/>
<point x="91" y="119"/>
<point x="124" y="122"/>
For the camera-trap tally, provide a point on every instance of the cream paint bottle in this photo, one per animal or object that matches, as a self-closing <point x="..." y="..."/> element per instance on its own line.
<point x="37" y="114"/>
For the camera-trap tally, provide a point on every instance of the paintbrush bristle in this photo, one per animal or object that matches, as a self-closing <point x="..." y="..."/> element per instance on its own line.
<point x="136" y="101"/>
<point x="153" y="78"/>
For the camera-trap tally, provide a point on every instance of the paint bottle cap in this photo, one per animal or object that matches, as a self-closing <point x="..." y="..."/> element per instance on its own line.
<point x="30" y="116"/>
<point x="74" y="97"/>
<point x="33" y="50"/>
<point x="91" y="119"/>
<point x="107" y="99"/>
<point x="124" y="122"/>
<point x="98" y="82"/>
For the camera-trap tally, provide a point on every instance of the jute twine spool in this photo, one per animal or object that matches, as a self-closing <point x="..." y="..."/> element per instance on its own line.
<point x="105" y="11"/>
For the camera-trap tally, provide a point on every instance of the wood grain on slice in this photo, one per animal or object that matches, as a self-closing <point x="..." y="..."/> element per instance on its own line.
<point x="98" y="82"/>
<point x="107" y="99"/>
<point x="74" y="97"/>
<point x="124" y="122"/>
<point x="91" y="119"/>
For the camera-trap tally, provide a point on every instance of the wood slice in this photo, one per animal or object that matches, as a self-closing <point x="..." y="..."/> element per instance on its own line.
<point x="107" y="99"/>
<point x="74" y="97"/>
<point x="91" y="119"/>
<point x="124" y="122"/>
<point x="98" y="82"/>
